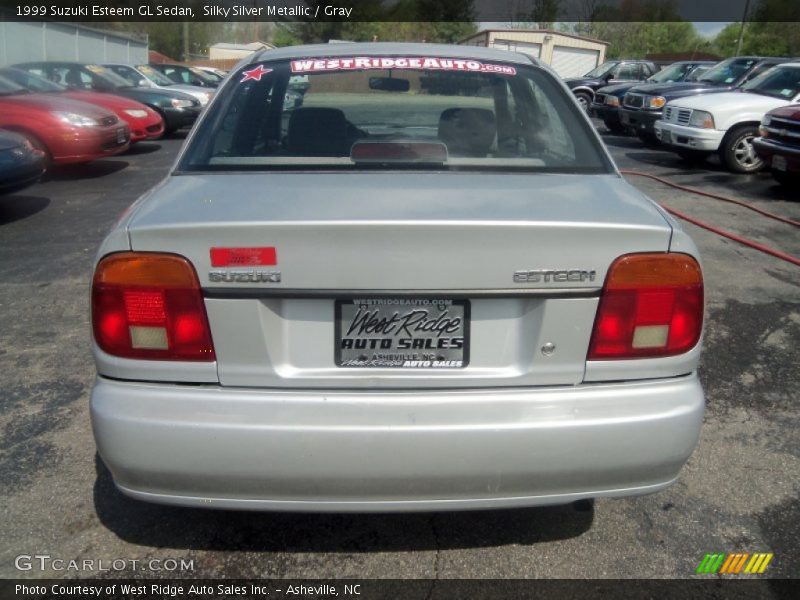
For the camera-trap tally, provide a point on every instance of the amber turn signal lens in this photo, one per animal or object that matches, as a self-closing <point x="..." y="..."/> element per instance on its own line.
<point x="150" y="306"/>
<point x="651" y="306"/>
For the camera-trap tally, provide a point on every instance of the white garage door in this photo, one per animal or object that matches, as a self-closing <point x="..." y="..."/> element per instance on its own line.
<point x="574" y="62"/>
<point x="534" y="50"/>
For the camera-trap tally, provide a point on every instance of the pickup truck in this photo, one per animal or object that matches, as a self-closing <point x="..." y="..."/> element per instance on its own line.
<point x="727" y="123"/>
<point x="643" y="105"/>
<point x="608" y="99"/>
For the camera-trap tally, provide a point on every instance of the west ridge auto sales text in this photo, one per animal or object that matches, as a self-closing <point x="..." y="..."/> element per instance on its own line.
<point x="224" y="590"/>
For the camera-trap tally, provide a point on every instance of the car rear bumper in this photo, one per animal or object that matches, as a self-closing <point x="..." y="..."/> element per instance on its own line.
<point x="692" y="138"/>
<point x="320" y="450"/>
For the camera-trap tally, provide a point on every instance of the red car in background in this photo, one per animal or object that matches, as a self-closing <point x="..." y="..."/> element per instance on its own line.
<point x="144" y="122"/>
<point x="67" y="130"/>
<point x="779" y="144"/>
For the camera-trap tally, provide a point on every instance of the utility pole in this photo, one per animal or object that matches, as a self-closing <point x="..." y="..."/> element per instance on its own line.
<point x="741" y="30"/>
<point x="254" y="36"/>
<point x="186" y="40"/>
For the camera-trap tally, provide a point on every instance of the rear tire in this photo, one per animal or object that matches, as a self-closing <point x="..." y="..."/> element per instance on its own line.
<point x="693" y="156"/>
<point x="787" y="179"/>
<point x="737" y="152"/>
<point x="585" y="100"/>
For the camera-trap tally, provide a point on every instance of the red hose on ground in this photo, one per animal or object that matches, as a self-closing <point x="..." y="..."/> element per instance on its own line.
<point x="727" y="234"/>
<point x="736" y="238"/>
<point x="715" y="196"/>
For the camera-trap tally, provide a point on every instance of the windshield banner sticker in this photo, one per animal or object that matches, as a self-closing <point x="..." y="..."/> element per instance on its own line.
<point x="316" y="65"/>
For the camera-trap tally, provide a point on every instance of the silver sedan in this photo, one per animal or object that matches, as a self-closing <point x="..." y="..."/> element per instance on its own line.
<point x="426" y="286"/>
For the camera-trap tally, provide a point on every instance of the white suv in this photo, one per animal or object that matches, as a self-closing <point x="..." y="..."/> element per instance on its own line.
<point x="697" y="126"/>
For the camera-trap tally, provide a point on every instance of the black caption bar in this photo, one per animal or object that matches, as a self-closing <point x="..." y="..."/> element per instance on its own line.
<point x="542" y="12"/>
<point x="392" y="589"/>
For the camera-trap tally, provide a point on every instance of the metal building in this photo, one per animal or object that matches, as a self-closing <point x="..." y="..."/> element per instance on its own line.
<point x="224" y="51"/>
<point x="44" y="40"/>
<point x="569" y="55"/>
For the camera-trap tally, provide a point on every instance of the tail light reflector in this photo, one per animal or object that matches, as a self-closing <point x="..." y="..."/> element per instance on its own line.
<point x="150" y="306"/>
<point x="652" y="305"/>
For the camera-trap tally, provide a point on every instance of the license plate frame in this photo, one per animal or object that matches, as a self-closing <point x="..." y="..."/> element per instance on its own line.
<point x="121" y="136"/>
<point x="439" y="314"/>
<point x="666" y="136"/>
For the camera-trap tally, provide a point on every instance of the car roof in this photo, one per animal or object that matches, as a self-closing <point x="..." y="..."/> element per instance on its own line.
<point x="54" y="63"/>
<point x="393" y="48"/>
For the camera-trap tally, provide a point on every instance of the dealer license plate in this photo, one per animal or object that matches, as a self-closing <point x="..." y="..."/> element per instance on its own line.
<point x="779" y="162"/>
<point x="666" y="136"/>
<point x="121" y="136"/>
<point x="403" y="333"/>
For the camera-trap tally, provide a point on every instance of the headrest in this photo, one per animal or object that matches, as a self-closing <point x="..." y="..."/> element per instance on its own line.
<point x="318" y="132"/>
<point x="467" y="131"/>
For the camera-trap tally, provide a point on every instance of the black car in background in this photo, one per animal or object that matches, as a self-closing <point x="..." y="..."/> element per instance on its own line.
<point x="610" y="72"/>
<point x="643" y="105"/>
<point x="608" y="99"/>
<point x="21" y="164"/>
<point x="187" y="75"/>
<point x="176" y="108"/>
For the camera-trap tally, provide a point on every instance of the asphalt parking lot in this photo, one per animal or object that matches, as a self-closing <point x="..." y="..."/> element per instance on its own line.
<point x="739" y="492"/>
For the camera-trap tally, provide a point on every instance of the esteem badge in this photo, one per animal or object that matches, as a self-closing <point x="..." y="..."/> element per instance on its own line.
<point x="554" y="276"/>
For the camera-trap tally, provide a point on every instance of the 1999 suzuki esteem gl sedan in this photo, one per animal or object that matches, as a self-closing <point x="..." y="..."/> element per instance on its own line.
<point x="424" y="287"/>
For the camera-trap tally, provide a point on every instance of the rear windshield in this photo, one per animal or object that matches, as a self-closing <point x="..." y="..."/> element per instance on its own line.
<point x="394" y="113"/>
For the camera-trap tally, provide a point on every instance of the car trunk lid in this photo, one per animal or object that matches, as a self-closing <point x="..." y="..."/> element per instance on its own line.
<point x="526" y="254"/>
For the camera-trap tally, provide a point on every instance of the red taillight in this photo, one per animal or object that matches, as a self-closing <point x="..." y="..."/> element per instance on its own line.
<point x="150" y="306"/>
<point x="652" y="305"/>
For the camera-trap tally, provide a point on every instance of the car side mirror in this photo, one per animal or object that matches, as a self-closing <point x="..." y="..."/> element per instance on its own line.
<point x="144" y="83"/>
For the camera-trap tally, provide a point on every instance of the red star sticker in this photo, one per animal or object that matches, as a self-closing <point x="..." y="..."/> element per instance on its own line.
<point x="255" y="74"/>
